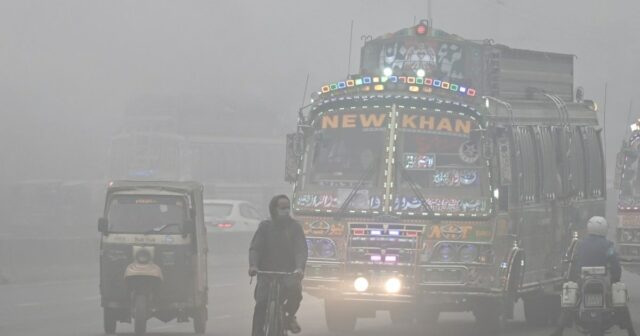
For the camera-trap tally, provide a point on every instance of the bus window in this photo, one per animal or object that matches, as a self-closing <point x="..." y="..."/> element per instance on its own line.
<point x="595" y="171"/>
<point x="548" y="164"/>
<point x="529" y="165"/>
<point x="577" y="164"/>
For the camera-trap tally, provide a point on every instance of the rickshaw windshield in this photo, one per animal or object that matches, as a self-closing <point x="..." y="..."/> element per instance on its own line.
<point x="146" y="214"/>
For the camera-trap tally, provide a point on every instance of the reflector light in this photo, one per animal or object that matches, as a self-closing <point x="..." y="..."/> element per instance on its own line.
<point x="445" y="85"/>
<point x="376" y="79"/>
<point x="454" y="87"/>
<point x="342" y="85"/>
<point x="359" y="81"/>
<point x="351" y="83"/>
<point x="437" y="83"/>
<point x="421" y="29"/>
<point x="393" y="79"/>
<point x="333" y="87"/>
<point x="419" y="80"/>
<point x="325" y="89"/>
<point x="471" y="92"/>
<point x="463" y="89"/>
<point x="366" y="80"/>
<point x="411" y="80"/>
<point x="428" y="81"/>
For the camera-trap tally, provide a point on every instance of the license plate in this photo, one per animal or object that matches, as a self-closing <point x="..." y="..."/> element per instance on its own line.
<point x="593" y="300"/>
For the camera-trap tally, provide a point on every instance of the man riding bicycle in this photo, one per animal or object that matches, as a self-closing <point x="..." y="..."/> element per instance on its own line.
<point x="279" y="245"/>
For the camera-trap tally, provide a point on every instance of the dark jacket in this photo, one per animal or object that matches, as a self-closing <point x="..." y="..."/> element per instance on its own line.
<point x="595" y="251"/>
<point x="277" y="245"/>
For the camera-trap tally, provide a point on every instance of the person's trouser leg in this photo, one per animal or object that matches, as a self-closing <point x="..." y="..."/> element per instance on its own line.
<point x="625" y="322"/>
<point x="293" y="294"/>
<point x="260" y="310"/>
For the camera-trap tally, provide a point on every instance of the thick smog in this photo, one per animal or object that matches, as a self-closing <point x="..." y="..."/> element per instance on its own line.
<point x="276" y="168"/>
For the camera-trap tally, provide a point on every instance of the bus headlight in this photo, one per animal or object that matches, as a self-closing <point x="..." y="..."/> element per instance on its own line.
<point x="445" y="253"/>
<point x="321" y="248"/>
<point x="468" y="253"/>
<point x="393" y="285"/>
<point x="361" y="284"/>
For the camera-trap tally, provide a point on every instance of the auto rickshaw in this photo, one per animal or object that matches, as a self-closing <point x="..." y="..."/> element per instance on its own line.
<point x="153" y="254"/>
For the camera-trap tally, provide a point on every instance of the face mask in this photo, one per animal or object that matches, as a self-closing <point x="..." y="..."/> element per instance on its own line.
<point x="283" y="213"/>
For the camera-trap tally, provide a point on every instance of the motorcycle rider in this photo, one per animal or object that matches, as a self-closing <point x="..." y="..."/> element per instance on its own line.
<point x="279" y="245"/>
<point x="592" y="251"/>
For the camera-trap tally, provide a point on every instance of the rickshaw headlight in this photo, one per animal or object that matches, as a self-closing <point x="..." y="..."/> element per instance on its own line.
<point x="143" y="256"/>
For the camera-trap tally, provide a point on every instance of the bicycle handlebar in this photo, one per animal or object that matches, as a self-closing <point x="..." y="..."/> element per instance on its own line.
<point x="275" y="273"/>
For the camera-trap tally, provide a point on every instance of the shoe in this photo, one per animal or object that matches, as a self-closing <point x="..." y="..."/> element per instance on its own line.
<point x="292" y="325"/>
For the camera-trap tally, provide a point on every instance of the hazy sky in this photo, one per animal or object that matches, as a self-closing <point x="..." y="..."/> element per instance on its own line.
<point x="68" y="69"/>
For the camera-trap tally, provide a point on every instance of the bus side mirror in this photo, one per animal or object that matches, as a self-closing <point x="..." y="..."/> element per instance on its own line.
<point x="103" y="225"/>
<point x="295" y="148"/>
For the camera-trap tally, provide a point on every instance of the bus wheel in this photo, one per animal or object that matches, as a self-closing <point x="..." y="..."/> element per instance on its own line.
<point x="400" y="317"/>
<point x="488" y="314"/>
<point x="535" y="312"/>
<point x="339" y="316"/>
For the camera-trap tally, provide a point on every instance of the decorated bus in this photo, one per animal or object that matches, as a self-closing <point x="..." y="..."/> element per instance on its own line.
<point x="628" y="182"/>
<point x="447" y="175"/>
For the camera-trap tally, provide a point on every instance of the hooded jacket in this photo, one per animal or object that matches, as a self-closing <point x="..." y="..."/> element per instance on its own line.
<point x="278" y="245"/>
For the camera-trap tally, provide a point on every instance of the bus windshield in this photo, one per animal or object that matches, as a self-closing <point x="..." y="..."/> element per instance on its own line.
<point x="345" y="147"/>
<point x="440" y="164"/>
<point x="630" y="179"/>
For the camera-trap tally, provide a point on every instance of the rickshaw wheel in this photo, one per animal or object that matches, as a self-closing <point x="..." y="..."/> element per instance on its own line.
<point x="140" y="314"/>
<point x="109" y="321"/>
<point x="200" y="320"/>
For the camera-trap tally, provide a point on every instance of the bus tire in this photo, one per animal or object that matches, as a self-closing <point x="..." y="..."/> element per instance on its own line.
<point x="488" y="314"/>
<point x="401" y="317"/>
<point x="534" y="311"/>
<point x="339" y="317"/>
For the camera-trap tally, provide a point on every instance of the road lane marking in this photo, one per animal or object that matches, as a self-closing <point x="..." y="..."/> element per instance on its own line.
<point x="30" y="304"/>
<point x="90" y="298"/>
<point x="222" y="285"/>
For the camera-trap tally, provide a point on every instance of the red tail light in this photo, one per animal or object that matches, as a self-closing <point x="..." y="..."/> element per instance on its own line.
<point x="224" y="225"/>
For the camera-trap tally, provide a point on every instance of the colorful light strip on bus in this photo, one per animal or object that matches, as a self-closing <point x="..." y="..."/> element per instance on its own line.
<point x="412" y="81"/>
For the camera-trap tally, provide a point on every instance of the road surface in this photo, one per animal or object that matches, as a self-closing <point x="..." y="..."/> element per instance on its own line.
<point x="73" y="308"/>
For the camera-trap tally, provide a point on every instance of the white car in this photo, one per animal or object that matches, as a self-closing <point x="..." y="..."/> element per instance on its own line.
<point x="231" y="216"/>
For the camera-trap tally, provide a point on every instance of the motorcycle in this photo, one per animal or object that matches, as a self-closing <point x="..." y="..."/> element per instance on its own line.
<point x="593" y="305"/>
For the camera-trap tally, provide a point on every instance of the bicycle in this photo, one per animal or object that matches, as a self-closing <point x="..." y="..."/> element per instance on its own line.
<point x="274" y="323"/>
